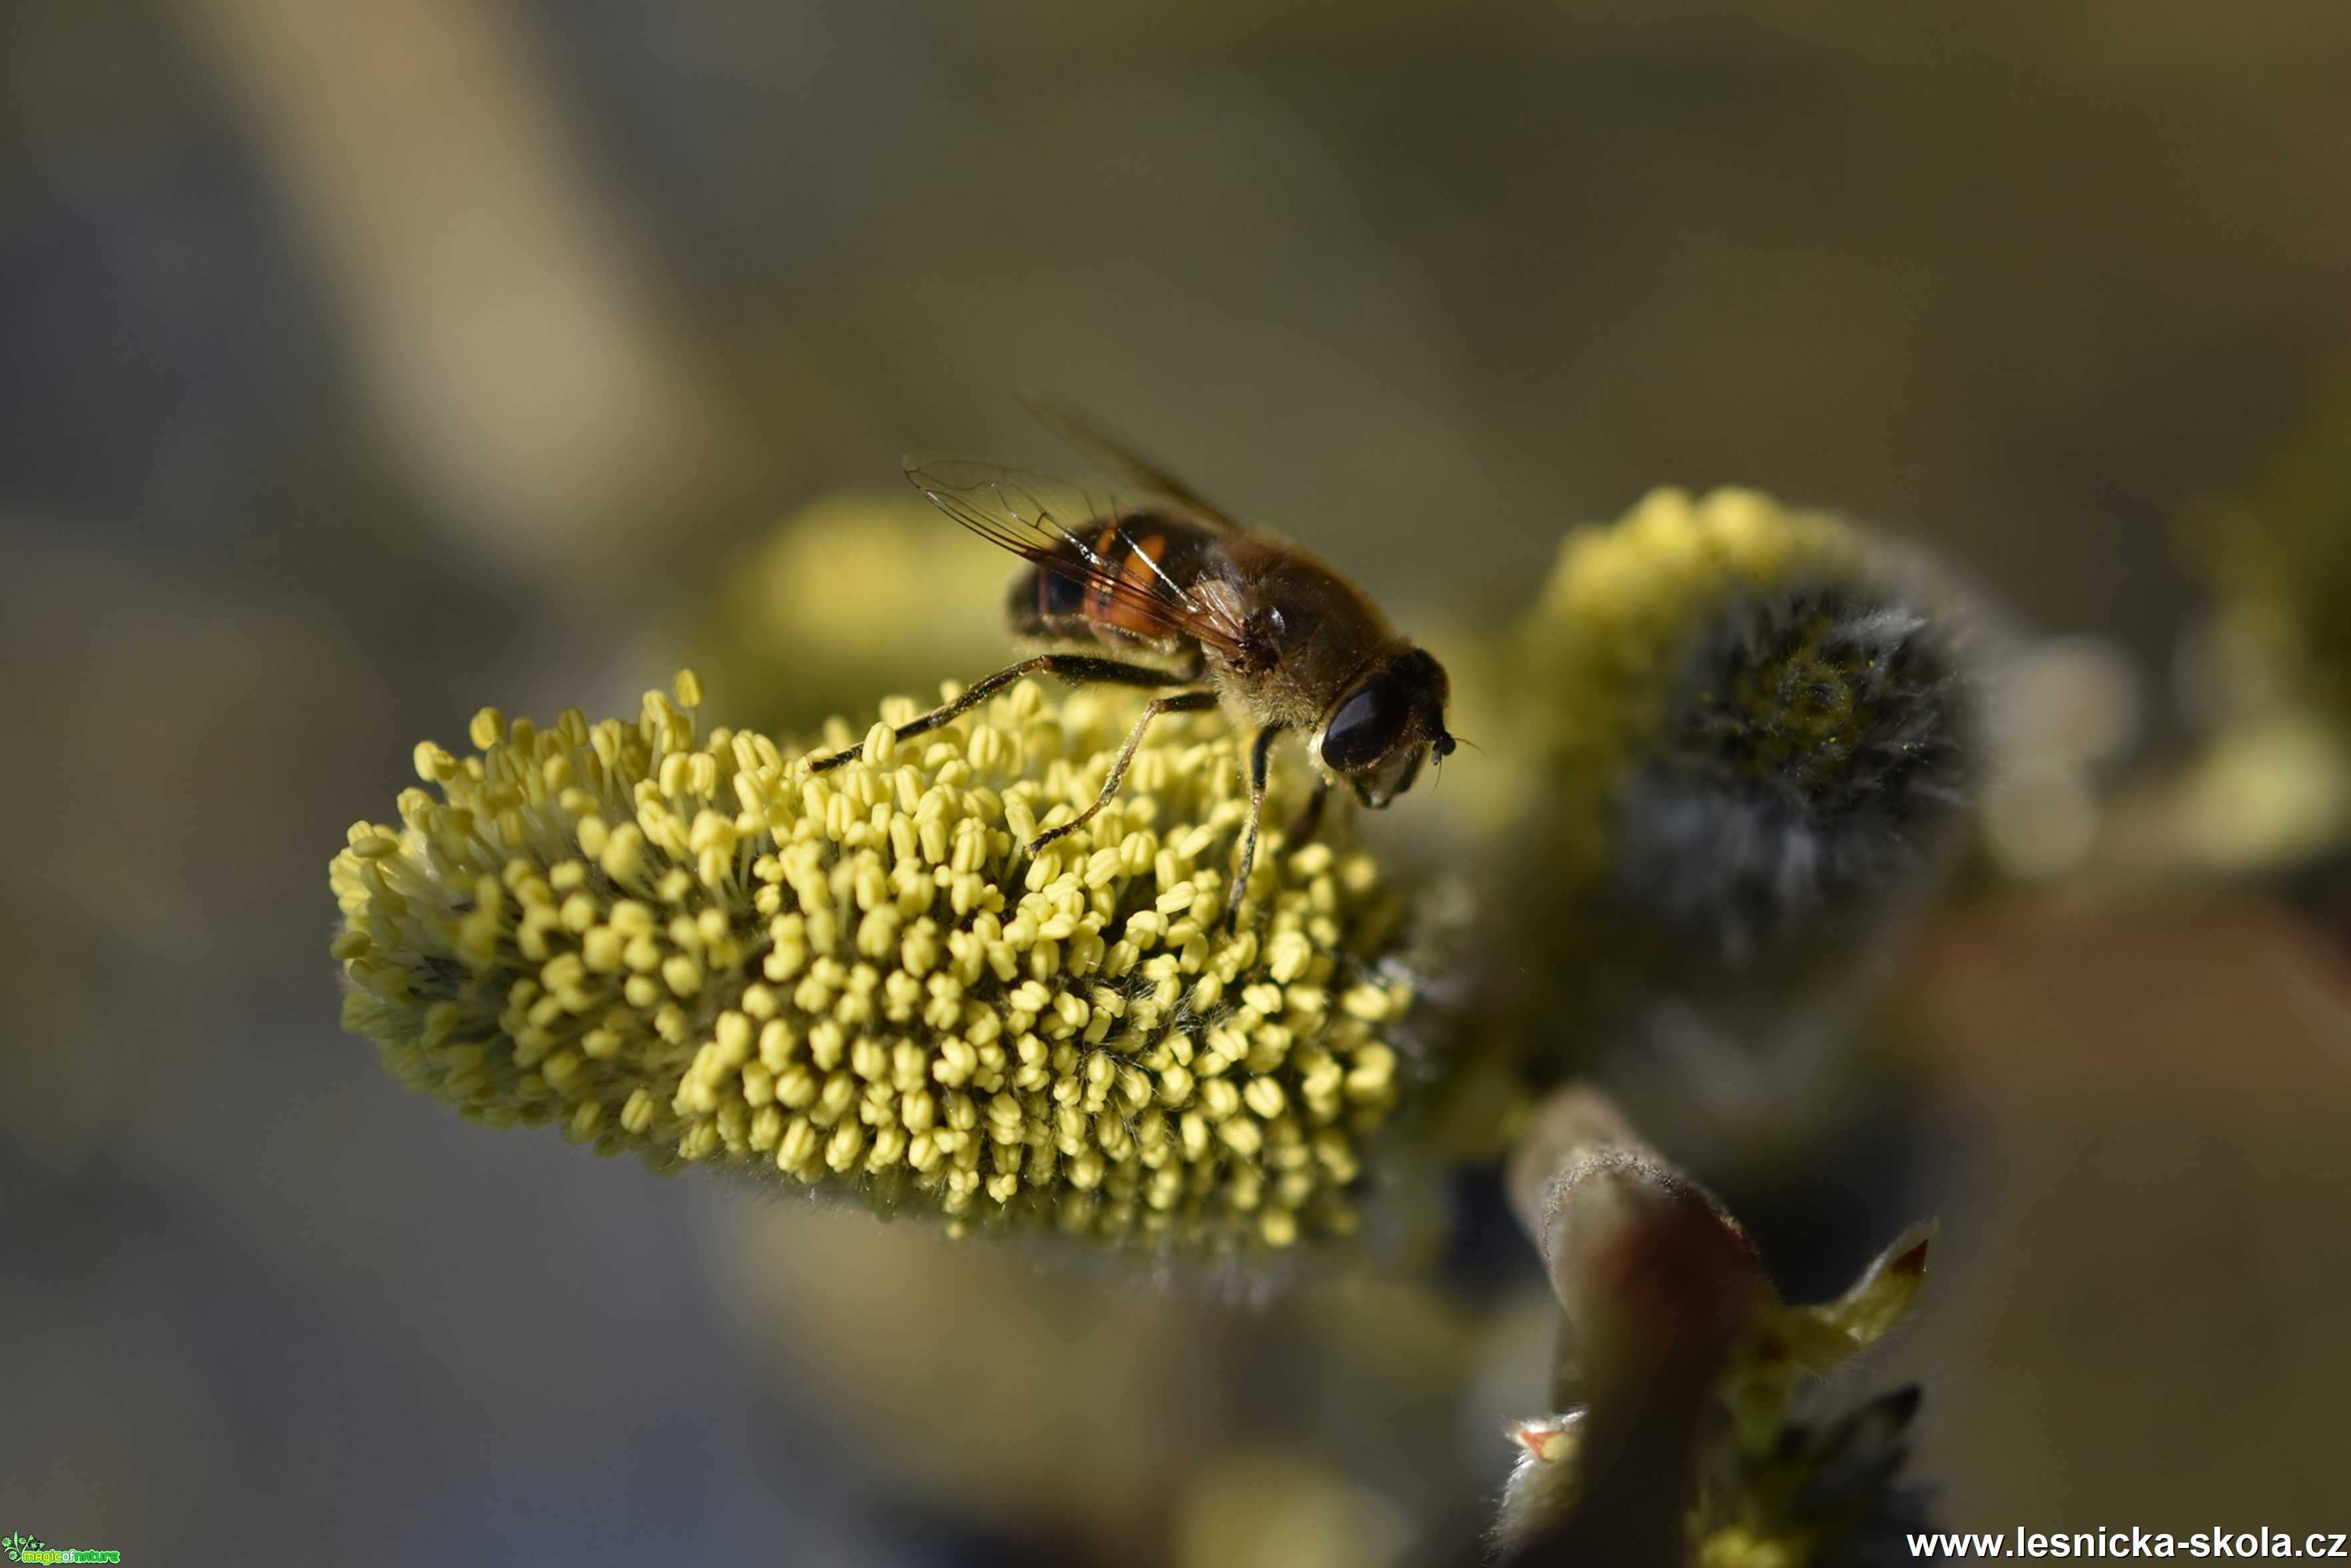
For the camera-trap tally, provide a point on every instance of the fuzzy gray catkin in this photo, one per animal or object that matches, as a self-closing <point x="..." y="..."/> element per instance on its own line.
<point x="1746" y="718"/>
<point x="1739" y="742"/>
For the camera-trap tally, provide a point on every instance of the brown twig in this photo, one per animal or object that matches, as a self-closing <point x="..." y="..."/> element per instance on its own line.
<point x="1658" y="1284"/>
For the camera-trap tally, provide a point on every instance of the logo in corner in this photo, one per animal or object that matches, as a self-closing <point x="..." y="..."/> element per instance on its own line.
<point x="23" y="1548"/>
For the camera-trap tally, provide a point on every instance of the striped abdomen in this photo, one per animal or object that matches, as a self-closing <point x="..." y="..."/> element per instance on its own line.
<point x="1134" y="595"/>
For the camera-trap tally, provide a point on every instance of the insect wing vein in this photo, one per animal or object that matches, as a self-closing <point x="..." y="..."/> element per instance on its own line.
<point x="1032" y="515"/>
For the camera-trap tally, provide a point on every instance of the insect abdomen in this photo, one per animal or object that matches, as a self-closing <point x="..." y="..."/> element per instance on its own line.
<point x="1121" y="587"/>
<point x="1047" y="604"/>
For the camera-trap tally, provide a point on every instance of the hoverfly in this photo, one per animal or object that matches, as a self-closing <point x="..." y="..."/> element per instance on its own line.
<point x="1192" y="602"/>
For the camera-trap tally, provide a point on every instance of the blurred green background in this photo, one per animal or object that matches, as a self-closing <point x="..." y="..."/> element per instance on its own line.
<point x="364" y="362"/>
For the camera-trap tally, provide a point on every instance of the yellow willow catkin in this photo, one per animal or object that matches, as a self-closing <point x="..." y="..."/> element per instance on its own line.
<point x="695" y="949"/>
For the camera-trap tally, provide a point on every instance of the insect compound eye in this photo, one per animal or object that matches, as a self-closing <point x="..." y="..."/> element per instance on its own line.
<point x="1366" y="725"/>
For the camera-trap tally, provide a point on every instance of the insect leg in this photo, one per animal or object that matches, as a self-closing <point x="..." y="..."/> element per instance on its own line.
<point x="1078" y="669"/>
<point x="1182" y="701"/>
<point x="1311" y="818"/>
<point x="1261" y="760"/>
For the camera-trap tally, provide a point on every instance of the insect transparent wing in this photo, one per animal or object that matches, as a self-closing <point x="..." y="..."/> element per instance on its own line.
<point x="1087" y="434"/>
<point x="1061" y="526"/>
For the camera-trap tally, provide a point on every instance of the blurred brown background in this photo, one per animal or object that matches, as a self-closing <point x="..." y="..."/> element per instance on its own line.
<point x="366" y="362"/>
